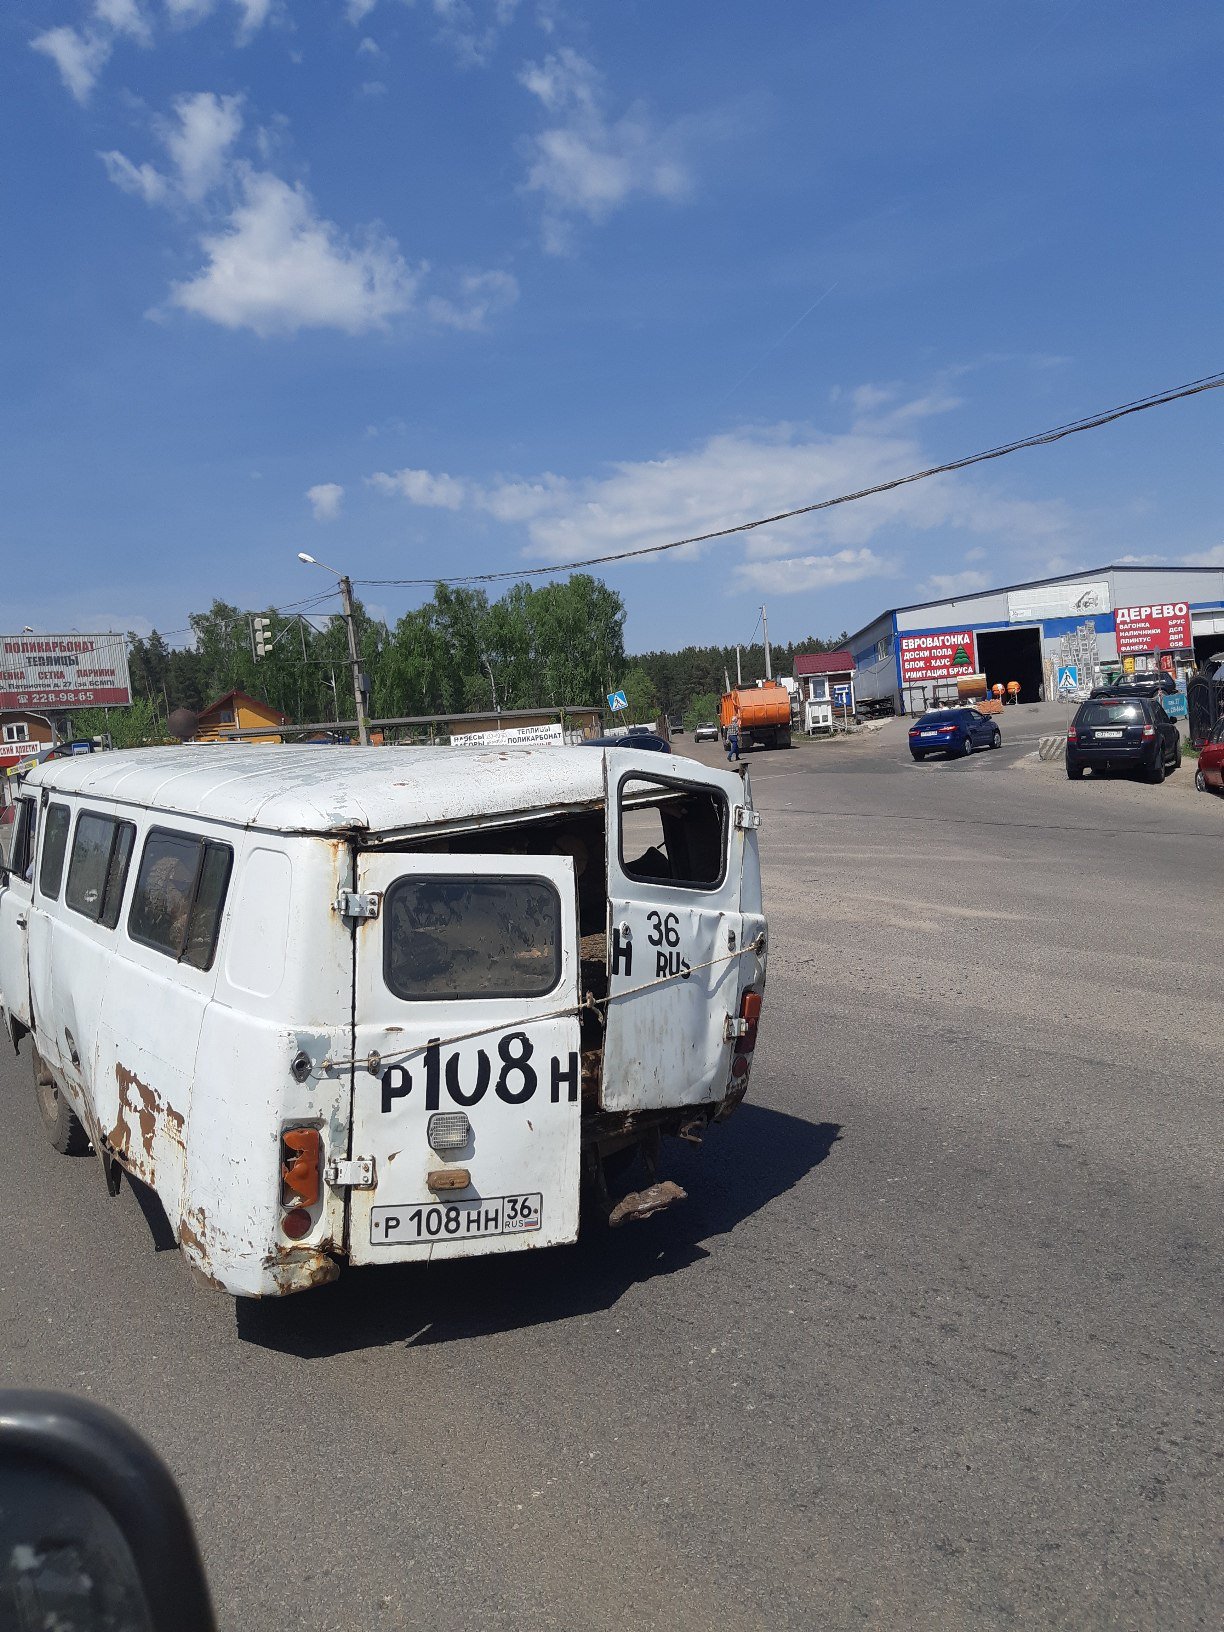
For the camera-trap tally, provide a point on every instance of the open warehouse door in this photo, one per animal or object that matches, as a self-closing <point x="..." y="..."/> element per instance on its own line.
<point x="1012" y="654"/>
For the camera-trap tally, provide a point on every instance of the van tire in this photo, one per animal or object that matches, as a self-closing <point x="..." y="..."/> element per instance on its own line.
<point x="64" y="1127"/>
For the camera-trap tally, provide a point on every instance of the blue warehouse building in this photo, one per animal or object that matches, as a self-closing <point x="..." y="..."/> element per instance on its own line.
<point x="1079" y="628"/>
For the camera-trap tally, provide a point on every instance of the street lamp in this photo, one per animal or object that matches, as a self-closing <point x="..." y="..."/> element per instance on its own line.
<point x="346" y="596"/>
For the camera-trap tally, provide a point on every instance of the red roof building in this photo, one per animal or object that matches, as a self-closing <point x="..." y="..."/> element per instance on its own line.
<point x="823" y="663"/>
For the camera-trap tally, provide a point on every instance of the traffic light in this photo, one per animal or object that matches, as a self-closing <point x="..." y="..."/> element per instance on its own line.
<point x="261" y="637"/>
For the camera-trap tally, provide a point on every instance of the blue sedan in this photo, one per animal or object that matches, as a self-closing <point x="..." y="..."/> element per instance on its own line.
<point x="953" y="731"/>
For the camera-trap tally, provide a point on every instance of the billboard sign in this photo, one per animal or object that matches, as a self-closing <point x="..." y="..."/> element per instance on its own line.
<point x="50" y="672"/>
<point x="1056" y="601"/>
<point x="518" y="736"/>
<point x="937" y="657"/>
<point x="1164" y="627"/>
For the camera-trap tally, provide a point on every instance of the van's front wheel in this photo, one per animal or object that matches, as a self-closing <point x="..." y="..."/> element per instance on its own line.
<point x="64" y="1127"/>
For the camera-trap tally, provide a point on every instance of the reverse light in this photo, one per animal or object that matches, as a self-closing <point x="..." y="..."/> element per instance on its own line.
<point x="301" y="1149"/>
<point x="448" y="1130"/>
<point x="1149" y="731"/>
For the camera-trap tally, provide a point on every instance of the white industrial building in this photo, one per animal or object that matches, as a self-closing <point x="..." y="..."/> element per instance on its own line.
<point x="1054" y="634"/>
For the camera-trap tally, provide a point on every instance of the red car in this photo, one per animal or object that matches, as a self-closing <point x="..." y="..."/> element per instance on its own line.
<point x="1209" y="778"/>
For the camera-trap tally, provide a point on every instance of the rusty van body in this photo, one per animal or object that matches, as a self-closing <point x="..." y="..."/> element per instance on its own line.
<point x="376" y="1005"/>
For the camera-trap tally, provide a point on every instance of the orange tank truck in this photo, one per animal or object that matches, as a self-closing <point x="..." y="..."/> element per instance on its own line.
<point x="764" y="715"/>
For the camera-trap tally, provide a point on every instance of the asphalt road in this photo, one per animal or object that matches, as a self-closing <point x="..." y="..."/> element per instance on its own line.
<point x="935" y="1342"/>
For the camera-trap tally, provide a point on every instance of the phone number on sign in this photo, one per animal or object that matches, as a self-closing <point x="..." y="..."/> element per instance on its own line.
<point x="455" y="1220"/>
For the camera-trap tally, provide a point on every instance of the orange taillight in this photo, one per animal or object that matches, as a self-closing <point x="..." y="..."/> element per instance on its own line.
<point x="301" y="1149"/>
<point x="750" y="1014"/>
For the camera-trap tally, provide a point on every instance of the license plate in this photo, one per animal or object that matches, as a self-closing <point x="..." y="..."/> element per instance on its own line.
<point x="454" y="1220"/>
<point x="930" y="733"/>
<point x="1109" y="733"/>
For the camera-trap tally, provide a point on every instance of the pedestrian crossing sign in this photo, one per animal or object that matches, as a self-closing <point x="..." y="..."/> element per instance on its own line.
<point x="1068" y="679"/>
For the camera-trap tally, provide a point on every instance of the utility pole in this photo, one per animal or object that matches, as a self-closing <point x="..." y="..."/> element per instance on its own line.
<point x="765" y="632"/>
<point x="739" y="673"/>
<point x="346" y="596"/>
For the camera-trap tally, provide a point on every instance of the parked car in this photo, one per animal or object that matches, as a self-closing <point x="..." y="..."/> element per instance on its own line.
<point x="953" y="731"/>
<point x="631" y="739"/>
<point x="1209" y="778"/>
<point x="706" y="733"/>
<point x="1143" y="683"/>
<point x="1120" y="731"/>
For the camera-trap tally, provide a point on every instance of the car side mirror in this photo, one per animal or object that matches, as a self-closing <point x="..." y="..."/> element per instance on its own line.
<point x="94" y="1534"/>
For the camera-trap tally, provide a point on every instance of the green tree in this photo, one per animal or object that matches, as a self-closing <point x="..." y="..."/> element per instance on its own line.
<point x="132" y="727"/>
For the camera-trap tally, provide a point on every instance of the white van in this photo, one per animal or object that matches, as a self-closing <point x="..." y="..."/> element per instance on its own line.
<point x="380" y="1004"/>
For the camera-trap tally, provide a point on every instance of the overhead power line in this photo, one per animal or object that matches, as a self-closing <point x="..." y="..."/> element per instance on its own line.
<point x="241" y="617"/>
<point x="1210" y="382"/>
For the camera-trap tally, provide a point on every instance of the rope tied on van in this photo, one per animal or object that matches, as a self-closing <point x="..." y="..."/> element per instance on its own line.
<point x="589" y="1004"/>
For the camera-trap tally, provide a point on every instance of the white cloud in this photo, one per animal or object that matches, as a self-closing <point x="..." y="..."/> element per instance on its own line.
<point x="952" y="584"/>
<point x="440" y="492"/>
<point x="587" y="164"/>
<point x="472" y="42"/>
<point x="142" y="180"/>
<point x="369" y="47"/>
<point x="373" y="87"/>
<point x="253" y="14"/>
<point x="357" y="10"/>
<point x="798" y="573"/>
<point x="278" y="267"/>
<point x="80" y="58"/>
<point x="208" y="126"/>
<point x="480" y="295"/>
<point x="740" y="476"/>
<point x="325" y="500"/>
<point x="125" y="17"/>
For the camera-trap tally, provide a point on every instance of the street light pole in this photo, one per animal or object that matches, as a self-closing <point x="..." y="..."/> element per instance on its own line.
<point x="346" y="597"/>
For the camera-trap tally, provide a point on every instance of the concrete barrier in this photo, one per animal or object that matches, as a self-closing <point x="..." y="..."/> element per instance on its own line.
<point x="1052" y="747"/>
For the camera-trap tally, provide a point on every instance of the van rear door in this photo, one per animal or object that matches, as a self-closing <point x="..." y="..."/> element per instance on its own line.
<point x="675" y="933"/>
<point x="467" y="1076"/>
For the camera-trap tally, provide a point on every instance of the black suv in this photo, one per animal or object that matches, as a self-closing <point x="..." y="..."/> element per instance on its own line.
<point x="1122" y="731"/>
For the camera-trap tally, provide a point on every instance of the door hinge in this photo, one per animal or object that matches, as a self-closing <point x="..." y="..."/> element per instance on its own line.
<point x="358" y="903"/>
<point x="355" y="1173"/>
<point x="734" y="1027"/>
<point x="745" y="816"/>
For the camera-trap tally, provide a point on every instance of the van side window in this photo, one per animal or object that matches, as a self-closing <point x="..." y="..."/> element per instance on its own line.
<point x="55" y="847"/>
<point x="101" y="850"/>
<point x="180" y="891"/>
<point x="21" y="830"/>
<point x="461" y="937"/>
<point x="672" y="834"/>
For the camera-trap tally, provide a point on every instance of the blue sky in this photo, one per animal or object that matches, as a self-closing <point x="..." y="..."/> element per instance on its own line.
<point x="468" y="285"/>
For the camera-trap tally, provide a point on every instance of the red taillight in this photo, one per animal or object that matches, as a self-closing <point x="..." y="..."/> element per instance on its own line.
<point x="296" y="1223"/>
<point x="300" y="1151"/>
<point x="750" y="1014"/>
<point x="1072" y="734"/>
<point x="1149" y="731"/>
<point x="946" y="730"/>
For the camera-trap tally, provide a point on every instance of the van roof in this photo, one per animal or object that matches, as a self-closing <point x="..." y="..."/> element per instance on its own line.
<point x="298" y="788"/>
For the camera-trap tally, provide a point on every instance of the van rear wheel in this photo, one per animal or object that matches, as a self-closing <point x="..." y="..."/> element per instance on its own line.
<point x="64" y="1128"/>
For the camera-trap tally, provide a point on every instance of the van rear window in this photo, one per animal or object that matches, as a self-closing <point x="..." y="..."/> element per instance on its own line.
<point x="97" y="872"/>
<point x="180" y="891"/>
<point x="672" y="834"/>
<point x="455" y="936"/>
